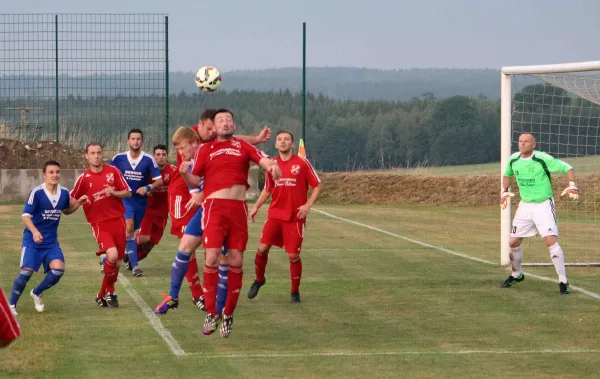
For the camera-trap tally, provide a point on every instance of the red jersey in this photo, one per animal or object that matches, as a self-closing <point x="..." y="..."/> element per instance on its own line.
<point x="179" y="158"/>
<point x="158" y="201"/>
<point x="100" y="207"/>
<point x="225" y="163"/>
<point x="291" y="190"/>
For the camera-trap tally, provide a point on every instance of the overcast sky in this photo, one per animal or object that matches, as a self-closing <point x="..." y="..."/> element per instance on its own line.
<point x="388" y="34"/>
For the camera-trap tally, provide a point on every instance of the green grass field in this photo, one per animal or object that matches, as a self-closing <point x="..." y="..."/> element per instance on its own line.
<point x="387" y="303"/>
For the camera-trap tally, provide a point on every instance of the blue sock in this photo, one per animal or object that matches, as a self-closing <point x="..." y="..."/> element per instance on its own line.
<point x="19" y="286"/>
<point x="103" y="260"/>
<point x="52" y="277"/>
<point x="131" y="249"/>
<point x="222" y="288"/>
<point x="180" y="266"/>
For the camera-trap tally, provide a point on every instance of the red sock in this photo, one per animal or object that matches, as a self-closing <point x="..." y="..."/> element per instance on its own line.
<point x="194" y="279"/>
<point x="260" y="265"/>
<point x="211" y="280"/>
<point x="144" y="250"/>
<point x="234" y="286"/>
<point x="296" y="274"/>
<point x="110" y="278"/>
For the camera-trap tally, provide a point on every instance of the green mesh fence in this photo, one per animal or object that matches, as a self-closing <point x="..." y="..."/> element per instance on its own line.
<point x="76" y="78"/>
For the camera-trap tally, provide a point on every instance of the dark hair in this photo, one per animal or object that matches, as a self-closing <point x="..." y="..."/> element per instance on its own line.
<point x="222" y="110"/>
<point x="160" y="146"/>
<point x="208" y="114"/>
<point x="49" y="163"/>
<point x="135" y="130"/>
<point x="93" y="144"/>
<point x="286" y="132"/>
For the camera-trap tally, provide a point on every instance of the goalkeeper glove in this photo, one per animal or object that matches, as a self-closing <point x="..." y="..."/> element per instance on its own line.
<point x="505" y="198"/>
<point x="572" y="190"/>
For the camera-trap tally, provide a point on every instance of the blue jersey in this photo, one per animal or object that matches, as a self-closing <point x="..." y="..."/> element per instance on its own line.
<point x="45" y="210"/>
<point x="137" y="172"/>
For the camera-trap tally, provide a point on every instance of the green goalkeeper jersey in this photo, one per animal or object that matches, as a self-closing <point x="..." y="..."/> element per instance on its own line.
<point x="533" y="175"/>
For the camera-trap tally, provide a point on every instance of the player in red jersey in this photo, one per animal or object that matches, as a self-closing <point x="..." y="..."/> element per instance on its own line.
<point x="104" y="186"/>
<point x="9" y="327"/>
<point x="155" y="219"/>
<point x="286" y="220"/>
<point x="224" y="163"/>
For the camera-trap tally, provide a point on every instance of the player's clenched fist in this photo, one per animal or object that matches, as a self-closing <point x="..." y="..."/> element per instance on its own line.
<point x="505" y="198"/>
<point x="572" y="190"/>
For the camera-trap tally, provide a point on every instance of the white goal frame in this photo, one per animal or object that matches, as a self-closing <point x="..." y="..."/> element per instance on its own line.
<point x="506" y="135"/>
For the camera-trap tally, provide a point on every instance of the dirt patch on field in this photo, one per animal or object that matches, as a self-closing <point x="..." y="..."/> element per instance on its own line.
<point x="22" y="154"/>
<point x="476" y="190"/>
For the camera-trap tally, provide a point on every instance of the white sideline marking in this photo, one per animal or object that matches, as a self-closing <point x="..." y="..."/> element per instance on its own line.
<point x="451" y="252"/>
<point x="154" y="320"/>
<point x="384" y="353"/>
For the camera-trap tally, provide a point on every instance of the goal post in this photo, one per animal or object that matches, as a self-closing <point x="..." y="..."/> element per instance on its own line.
<point x="560" y="105"/>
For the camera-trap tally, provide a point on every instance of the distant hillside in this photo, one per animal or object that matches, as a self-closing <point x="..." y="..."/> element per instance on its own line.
<point x="335" y="82"/>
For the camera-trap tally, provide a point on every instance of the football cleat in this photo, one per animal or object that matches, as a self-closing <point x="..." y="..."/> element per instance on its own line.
<point x="166" y="304"/>
<point x="199" y="302"/>
<point x="253" y="291"/>
<point x="563" y="288"/>
<point x="511" y="281"/>
<point x="37" y="302"/>
<point x="137" y="271"/>
<point x="101" y="302"/>
<point x="112" y="299"/>
<point x="226" y="324"/>
<point x="296" y="297"/>
<point x="13" y="310"/>
<point x="210" y="323"/>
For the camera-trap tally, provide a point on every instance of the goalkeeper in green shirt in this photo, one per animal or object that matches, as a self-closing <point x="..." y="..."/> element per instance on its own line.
<point x="536" y="212"/>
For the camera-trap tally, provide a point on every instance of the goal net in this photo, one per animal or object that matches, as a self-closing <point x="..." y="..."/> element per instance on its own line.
<point x="560" y="105"/>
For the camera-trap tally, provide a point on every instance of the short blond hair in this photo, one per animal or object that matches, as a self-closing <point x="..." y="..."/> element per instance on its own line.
<point x="184" y="133"/>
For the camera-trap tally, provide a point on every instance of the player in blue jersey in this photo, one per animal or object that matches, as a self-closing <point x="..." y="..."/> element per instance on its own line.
<point x="137" y="167"/>
<point x="41" y="216"/>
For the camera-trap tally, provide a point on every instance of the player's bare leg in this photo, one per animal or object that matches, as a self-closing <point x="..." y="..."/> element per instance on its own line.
<point x="558" y="259"/>
<point x="53" y="276"/>
<point x="131" y="248"/>
<point x="260" y="266"/>
<point x="107" y="295"/>
<point x="516" y="258"/>
<point x="187" y="246"/>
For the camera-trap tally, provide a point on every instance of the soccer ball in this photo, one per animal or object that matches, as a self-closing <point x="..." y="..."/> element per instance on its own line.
<point x="208" y="79"/>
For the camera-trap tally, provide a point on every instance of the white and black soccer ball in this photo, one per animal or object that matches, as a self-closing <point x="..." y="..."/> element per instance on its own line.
<point x="208" y="79"/>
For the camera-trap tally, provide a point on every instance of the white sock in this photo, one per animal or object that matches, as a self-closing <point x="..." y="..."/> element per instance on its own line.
<point x="558" y="258"/>
<point x="516" y="257"/>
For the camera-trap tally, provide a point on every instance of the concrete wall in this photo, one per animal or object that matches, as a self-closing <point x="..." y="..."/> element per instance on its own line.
<point x="16" y="184"/>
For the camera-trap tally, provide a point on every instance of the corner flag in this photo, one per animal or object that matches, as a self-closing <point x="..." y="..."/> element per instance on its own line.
<point x="301" y="151"/>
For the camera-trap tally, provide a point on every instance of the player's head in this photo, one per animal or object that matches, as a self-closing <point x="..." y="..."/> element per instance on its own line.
<point x="526" y="143"/>
<point x="93" y="154"/>
<point x="161" y="155"/>
<point x="135" y="139"/>
<point x="51" y="172"/>
<point x="206" y="126"/>
<point x="224" y="124"/>
<point x="284" y="141"/>
<point x="186" y="142"/>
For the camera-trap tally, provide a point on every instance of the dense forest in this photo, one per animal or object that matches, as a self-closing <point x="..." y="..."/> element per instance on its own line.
<point x="340" y="135"/>
<point x="339" y="83"/>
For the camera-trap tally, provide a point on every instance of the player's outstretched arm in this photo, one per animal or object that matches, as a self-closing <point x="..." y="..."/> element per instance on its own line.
<point x="264" y="196"/>
<point x="304" y="210"/>
<point x="75" y="204"/>
<point x="270" y="166"/>
<point x="263" y="136"/>
<point x="572" y="189"/>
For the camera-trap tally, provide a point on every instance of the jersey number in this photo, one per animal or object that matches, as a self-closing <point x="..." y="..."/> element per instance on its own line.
<point x="514" y="229"/>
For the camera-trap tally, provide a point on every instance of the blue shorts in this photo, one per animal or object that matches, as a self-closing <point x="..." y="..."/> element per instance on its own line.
<point x="33" y="256"/>
<point x="135" y="209"/>
<point x="194" y="228"/>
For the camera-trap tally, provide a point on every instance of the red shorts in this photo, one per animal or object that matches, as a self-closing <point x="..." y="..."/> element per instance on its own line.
<point x="179" y="216"/>
<point x="109" y="234"/>
<point x="225" y="221"/>
<point x="9" y="327"/>
<point x="286" y="234"/>
<point x="153" y="226"/>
